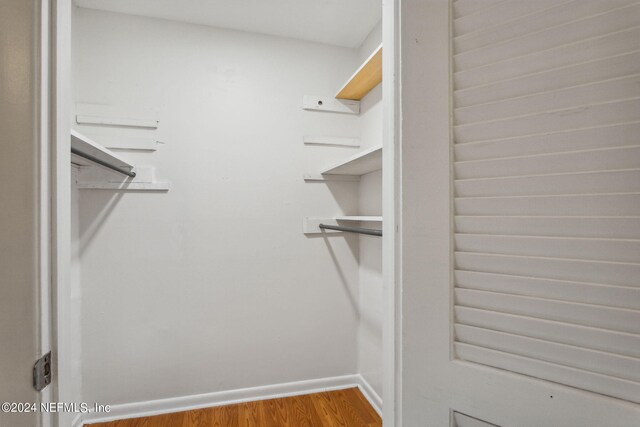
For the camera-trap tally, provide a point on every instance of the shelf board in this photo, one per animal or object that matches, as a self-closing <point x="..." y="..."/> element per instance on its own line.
<point x="85" y="145"/>
<point x="359" y="218"/>
<point x="368" y="76"/>
<point x="360" y="164"/>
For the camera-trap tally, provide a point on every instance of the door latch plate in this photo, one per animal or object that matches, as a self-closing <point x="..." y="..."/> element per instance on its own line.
<point x="42" y="372"/>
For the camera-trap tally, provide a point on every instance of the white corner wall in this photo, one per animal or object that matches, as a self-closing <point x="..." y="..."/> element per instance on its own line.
<point x="370" y="249"/>
<point x="213" y="286"/>
<point x="373" y="40"/>
<point x="370" y="267"/>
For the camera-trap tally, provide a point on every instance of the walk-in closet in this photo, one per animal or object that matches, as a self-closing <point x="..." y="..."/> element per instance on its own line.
<point x="230" y="177"/>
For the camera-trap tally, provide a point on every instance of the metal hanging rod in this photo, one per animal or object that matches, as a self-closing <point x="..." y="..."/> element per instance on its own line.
<point x="369" y="231"/>
<point x="102" y="162"/>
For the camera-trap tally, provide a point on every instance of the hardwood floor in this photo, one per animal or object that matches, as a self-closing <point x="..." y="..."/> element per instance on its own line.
<point x="341" y="408"/>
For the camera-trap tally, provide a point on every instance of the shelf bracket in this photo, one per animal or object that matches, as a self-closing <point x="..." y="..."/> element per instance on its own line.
<point x="330" y="105"/>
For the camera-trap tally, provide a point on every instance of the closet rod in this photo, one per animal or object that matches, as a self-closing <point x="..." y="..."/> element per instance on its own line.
<point x="368" y="231"/>
<point x="102" y="162"/>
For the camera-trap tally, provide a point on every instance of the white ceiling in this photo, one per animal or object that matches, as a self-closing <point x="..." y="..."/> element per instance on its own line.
<point x="337" y="22"/>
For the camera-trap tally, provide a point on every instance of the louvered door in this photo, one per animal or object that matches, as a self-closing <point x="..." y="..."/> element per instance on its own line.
<point x="544" y="297"/>
<point x="547" y="191"/>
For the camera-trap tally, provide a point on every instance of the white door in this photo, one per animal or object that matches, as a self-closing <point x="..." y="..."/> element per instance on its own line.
<point x="24" y="248"/>
<point x="520" y="219"/>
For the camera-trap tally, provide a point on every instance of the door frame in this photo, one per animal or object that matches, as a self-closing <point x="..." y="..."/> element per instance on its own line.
<point x="46" y="178"/>
<point x="60" y="187"/>
<point x="391" y="207"/>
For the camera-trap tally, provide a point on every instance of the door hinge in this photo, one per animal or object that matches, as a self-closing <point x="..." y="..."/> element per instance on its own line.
<point x="42" y="372"/>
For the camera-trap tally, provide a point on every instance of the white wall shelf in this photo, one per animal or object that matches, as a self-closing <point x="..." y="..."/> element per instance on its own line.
<point x="331" y="141"/>
<point x="97" y="177"/>
<point x="368" y="76"/>
<point x="125" y="142"/>
<point x="109" y="115"/>
<point x="330" y="105"/>
<point x="362" y="218"/>
<point x="316" y="177"/>
<point x="86" y="145"/>
<point x="359" y="164"/>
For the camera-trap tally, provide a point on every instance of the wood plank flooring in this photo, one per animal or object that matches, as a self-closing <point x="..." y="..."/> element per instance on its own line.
<point x="341" y="408"/>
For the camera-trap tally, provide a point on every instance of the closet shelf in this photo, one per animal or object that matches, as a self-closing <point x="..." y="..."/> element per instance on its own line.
<point x="360" y="164"/>
<point x="82" y="145"/>
<point x="368" y="76"/>
<point x="87" y="153"/>
<point x="359" y="218"/>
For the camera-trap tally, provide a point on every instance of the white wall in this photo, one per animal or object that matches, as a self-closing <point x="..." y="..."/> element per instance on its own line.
<point x="373" y="40"/>
<point x="212" y="286"/>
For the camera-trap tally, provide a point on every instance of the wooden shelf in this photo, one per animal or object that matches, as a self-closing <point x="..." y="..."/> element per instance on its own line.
<point x="362" y="163"/>
<point x="87" y="146"/>
<point x="368" y="76"/>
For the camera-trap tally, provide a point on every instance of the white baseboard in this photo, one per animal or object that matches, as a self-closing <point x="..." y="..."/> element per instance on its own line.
<point x="186" y="403"/>
<point x="78" y="421"/>
<point x="374" y="399"/>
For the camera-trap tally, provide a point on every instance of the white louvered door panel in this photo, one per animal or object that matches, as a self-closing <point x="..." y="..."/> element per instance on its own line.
<point x="520" y="213"/>
<point x="546" y="130"/>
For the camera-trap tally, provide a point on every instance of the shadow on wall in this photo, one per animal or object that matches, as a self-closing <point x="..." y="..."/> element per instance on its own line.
<point x="338" y="190"/>
<point x="96" y="214"/>
<point x="353" y="243"/>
